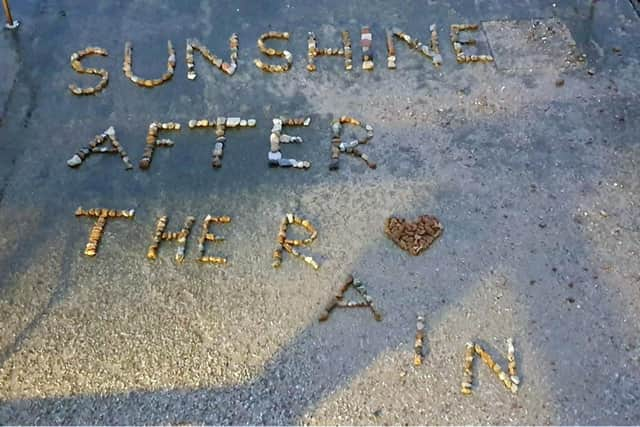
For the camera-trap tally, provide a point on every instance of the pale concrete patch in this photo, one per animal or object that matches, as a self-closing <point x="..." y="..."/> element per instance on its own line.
<point x="532" y="45"/>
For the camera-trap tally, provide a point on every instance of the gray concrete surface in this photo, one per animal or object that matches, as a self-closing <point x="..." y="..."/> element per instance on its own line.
<point x="536" y="185"/>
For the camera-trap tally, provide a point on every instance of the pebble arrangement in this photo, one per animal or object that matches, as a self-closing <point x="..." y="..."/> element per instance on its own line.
<point x="128" y="67"/>
<point x="206" y="236"/>
<point x="510" y="381"/>
<point x="313" y="51"/>
<point x="465" y="387"/>
<point x="413" y="237"/>
<point x="338" y="299"/>
<point x="511" y="362"/>
<point x="435" y="45"/>
<point x="94" y="146"/>
<point x="348" y="53"/>
<point x="288" y="56"/>
<point x="461" y="57"/>
<point x="351" y="147"/>
<point x="391" y="50"/>
<point x="221" y="124"/>
<point x="102" y="214"/>
<point x="79" y="68"/>
<point x="366" y="39"/>
<point x="152" y="141"/>
<point x="181" y="237"/>
<point x="277" y="137"/>
<point x="229" y="68"/>
<point x="419" y="343"/>
<point x="289" y="245"/>
<point x="432" y="52"/>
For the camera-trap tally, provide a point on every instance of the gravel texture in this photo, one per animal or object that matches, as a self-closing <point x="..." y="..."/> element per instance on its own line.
<point x="536" y="184"/>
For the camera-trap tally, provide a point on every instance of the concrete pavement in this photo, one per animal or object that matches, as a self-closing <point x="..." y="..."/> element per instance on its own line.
<point x="536" y="183"/>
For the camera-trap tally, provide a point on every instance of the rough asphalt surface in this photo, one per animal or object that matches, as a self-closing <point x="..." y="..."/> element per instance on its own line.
<point x="536" y="182"/>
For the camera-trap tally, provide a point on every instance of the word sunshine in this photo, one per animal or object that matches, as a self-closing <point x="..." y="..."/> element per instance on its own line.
<point x="430" y="49"/>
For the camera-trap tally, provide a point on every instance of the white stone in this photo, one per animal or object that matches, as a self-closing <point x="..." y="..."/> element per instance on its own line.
<point x="251" y="122"/>
<point x="233" y="122"/>
<point x="243" y="123"/>
<point x="74" y="161"/>
<point x="164" y="142"/>
<point x="307" y="121"/>
<point x="274" y="139"/>
<point x="274" y="157"/>
<point x="285" y="138"/>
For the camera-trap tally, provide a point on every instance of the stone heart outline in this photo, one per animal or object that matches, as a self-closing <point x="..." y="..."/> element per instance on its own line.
<point x="413" y="236"/>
